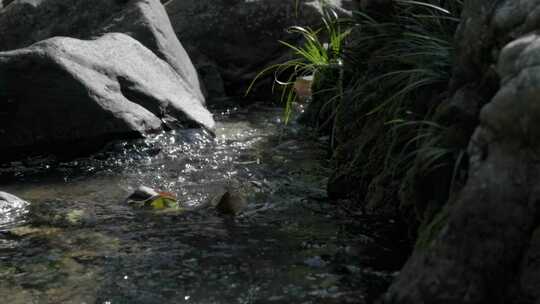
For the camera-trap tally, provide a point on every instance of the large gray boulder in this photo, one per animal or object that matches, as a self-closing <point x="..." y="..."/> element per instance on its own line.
<point x="236" y="39"/>
<point x="484" y="246"/>
<point x="25" y="22"/>
<point x="62" y="92"/>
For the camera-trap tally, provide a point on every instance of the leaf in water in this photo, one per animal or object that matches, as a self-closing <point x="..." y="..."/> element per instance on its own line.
<point x="163" y="202"/>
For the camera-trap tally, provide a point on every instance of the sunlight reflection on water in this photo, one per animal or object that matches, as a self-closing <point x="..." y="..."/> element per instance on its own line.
<point x="113" y="253"/>
<point x="12" y="210"/>
<point x="190" y="163"/>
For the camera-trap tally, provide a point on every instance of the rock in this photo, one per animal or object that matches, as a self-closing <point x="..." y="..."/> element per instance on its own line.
<point x="148" y="22"/>
<point x="318" y="113"/>
<point x="80" y="217"/>
<point x="529" y="279"/>
<point x="4" y="3"/>
<point x="25" y="22"/>
<point x="89" y="91"/>
<point x="246" y="34"/>
<point x="231" y="202"/>
<point x="488" y="231"/>
<point x="476" y="46"/>
<point x="55" y="213"/>
<point x="212" y="83"/>
<point x="315" y="262"/>
<point x="302" y="88"/>
<point x="376" y="8"/>
<point x="12" y="210"/>
<point x="142" y="194"/>
<point x="146" y="197"/>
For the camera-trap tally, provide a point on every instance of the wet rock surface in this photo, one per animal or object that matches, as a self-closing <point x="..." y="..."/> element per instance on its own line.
<point x="288" y="246"/>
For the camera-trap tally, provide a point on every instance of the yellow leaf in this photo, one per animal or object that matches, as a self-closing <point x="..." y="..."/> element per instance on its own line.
<point x="162" y="202"/>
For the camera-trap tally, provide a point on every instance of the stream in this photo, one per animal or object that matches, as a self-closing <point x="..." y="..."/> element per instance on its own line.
<point x="79" y="242"/>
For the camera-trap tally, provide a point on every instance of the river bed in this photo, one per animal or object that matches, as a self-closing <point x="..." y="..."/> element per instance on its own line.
<point x="79" y="242"/>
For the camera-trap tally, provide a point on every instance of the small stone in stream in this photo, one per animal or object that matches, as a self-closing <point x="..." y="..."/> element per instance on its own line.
<point x="231" y="202"/>
<point x="352" y="269"/>
<point x="149" y="198"/>
<point x="55" y="213"/>
<point x="142" y="194"/>
<point x="315" y="262"/>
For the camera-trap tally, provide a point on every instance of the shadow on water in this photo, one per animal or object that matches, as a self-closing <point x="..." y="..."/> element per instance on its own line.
<point x="80" y="243"/>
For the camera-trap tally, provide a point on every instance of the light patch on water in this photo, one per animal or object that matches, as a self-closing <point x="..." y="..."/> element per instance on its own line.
<point x="189" y="163"/>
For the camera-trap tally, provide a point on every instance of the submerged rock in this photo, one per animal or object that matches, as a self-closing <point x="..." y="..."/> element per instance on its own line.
<point x="90" y="91"/>
<point x="231" y="202"/>
<point x="55" y="213"/>
<point x="142" y="194"/>
<point x="146" y="197"/>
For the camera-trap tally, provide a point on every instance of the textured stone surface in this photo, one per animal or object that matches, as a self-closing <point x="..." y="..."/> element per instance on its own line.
<point x="485" y="248"/>
<point x="529" y="280"/>
<point x="64" y="91"/>
<point x="28" y="21"/>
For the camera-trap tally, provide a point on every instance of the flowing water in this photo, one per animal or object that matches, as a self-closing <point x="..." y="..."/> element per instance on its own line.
<point x="79" y="242"/>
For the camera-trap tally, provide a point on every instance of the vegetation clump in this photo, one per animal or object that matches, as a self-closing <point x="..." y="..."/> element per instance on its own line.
<point x="313" y="57"/>
<point x="378" y="83"/>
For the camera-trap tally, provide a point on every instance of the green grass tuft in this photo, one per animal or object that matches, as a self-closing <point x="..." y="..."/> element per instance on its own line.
<point x="313" y="56"/>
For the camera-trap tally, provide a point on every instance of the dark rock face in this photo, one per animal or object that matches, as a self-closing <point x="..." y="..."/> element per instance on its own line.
<point x="376" y="7"/>
<point x="247" y="33"/>
<point x="63" y="91"/>
<point x="484" y="246"/>
<point x="25" y="22"/>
